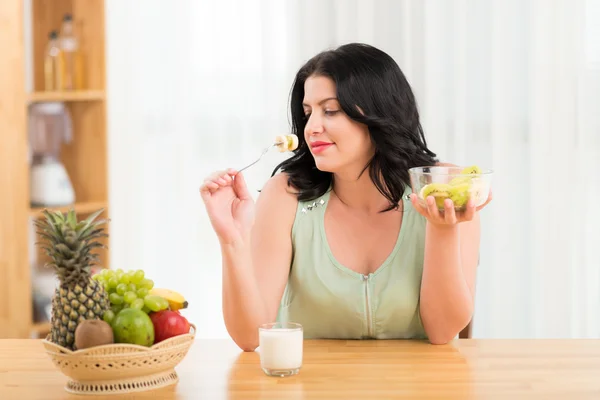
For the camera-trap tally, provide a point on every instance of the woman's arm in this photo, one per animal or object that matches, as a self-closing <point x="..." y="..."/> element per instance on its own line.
<point x="449" y="270"/>
<point x="449" y="273"/>
<point x="255" y="271"/>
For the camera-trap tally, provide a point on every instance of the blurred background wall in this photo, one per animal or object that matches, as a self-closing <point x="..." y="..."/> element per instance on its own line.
<point x="513" y="85"/>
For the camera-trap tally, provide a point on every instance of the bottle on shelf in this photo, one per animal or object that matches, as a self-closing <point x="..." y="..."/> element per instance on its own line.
<point x="69" y="43"/>
<point x="53" y="64"/>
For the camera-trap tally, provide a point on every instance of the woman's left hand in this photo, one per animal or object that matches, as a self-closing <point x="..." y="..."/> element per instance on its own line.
<point x="449" y="216"/>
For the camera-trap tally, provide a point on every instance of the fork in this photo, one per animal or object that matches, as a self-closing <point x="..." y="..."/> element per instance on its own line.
<point x="265" y="151"/>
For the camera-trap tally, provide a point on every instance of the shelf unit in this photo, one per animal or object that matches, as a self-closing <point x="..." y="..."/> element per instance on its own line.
<point x="85" y="158"/>
<point x="78" y="95"/>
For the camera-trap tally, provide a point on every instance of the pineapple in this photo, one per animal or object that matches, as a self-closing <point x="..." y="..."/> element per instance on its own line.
<point x="78" y="297"/>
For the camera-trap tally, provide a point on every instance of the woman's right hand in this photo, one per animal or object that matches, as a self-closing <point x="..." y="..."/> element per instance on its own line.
<point x="229" y="205"/>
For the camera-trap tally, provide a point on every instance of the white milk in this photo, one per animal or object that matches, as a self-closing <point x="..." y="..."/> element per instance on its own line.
<point x="281" y="348"/>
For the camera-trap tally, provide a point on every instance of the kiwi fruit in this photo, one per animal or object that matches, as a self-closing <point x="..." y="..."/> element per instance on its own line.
<point x="459" y="194"/>
<point x="440" y="198"/>
<point x="434" y="188"/>
<point x="459" y="189"/>
<point x="93" y="332"/>
<point x="439" y="191"/>
<point x="472" y="170"/>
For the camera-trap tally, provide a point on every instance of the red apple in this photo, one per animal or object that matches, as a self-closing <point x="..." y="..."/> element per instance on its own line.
<point x="168" y="324"/>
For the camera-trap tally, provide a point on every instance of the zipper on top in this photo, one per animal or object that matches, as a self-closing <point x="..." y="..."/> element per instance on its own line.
<point x="368" y="306"/>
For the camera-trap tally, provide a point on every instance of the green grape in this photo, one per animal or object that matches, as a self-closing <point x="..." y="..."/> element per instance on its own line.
<point x="138" y="276"/>
<point x="138" y="304"/>
<point x="146" y="309"/>
<point x="143" y="292"/>
<point x="121" y="289"/>
<point x="147" y="283"/>
<point x="119" y="275"/>
<point x="125" y="278"/>
<point x="156" y="303"/>
<point x="113" y="283"/>
<point x="164" y="303"/>
<point x="115" y="298"/>
<point x="107" y="273"/>
<point x="132" y="287"/>
<point x="116" y="308"/>
<point x="129" y="297"/>
<point x="108" y="276"/>
<point x="108" y="316"/>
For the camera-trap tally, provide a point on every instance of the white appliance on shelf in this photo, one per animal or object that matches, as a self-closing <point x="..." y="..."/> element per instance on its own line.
<point x="49" y="127"/>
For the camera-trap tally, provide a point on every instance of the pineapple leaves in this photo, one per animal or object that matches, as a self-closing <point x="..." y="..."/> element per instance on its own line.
<point x="72" y="219"/>
<point x="69" y="243"/>
<point x="49" y="226"/>
<point x="83" y="234"/>
<point x="93" y="216"/>
<point x="64" y="250"/>
<point x="55" y="218"/>
<point x="85" y="224"/>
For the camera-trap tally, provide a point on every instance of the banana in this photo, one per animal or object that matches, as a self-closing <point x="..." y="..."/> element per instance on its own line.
<point x="283" y="143"/>
<point x="286" y="142"/>
<point x="292" y="142"/>
<point x="175" y="299"/>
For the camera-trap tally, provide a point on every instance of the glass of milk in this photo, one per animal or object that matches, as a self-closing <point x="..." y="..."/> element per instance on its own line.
<point x="281" y="345"/>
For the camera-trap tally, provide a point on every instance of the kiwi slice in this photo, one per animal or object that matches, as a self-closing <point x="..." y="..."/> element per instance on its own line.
<point x="434" y="188"/>
<point x="459" y="194"/>
<point x="472" y="170"/>
<point x="439" y="199"/>
<point x="439" y="191"/>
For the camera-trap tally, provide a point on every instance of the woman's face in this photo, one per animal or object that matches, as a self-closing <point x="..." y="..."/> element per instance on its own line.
<point x="337" y="143"/>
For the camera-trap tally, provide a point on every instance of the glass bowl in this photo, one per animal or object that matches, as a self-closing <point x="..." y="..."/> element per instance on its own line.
<point x="455" y="183"/>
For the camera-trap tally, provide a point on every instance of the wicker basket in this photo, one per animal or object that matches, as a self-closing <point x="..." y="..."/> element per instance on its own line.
<point x="120" y="368"/>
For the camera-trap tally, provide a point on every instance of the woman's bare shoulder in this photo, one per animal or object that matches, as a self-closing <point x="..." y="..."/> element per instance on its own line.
<point x="278" y="186"/>
<point x="277" y="197"/>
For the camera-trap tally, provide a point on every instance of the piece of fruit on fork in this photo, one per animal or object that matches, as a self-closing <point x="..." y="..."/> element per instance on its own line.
<point x="286" y="142"/>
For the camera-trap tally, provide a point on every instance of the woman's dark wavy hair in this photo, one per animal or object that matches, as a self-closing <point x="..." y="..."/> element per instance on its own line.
<point x="368" y="78"/>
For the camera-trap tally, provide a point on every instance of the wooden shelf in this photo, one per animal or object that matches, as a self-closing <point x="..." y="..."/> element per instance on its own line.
<point x="80" y="208"/>
<point x="85" y="158"/>
<point x="41" y="328"/>
<point x="84" y="95"/>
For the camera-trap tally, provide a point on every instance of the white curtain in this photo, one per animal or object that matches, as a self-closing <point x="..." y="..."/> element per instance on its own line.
<point x="513" y="85"/>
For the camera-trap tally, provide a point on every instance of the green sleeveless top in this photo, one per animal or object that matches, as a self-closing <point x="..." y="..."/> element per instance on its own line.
<point x="332" y="301"/>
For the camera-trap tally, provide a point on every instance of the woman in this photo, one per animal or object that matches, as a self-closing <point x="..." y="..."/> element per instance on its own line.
<point x="336" y="240"/>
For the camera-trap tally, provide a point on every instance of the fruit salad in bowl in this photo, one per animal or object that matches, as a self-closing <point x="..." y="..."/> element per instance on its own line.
<point x="458" y="184"/>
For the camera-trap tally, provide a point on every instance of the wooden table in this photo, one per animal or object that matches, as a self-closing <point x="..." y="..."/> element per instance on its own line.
<point x="464" y="369"/>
